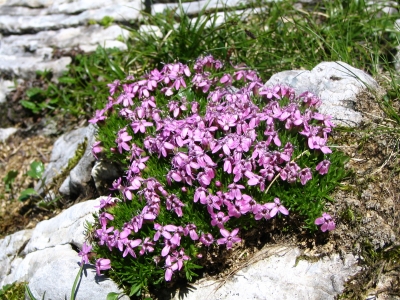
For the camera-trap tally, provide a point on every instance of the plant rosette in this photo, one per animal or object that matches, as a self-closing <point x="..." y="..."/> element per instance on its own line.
<point x="208" y="150"/>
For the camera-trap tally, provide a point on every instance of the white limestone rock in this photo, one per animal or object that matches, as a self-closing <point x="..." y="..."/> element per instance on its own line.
<point x="119" y="12"/>
<point x="52" y="272"/>
<point x="77" y="6"/>
<point x="10" y="248"/>
<point x="66" y="228"/>
<point x="6" y="86"/>
<point x="277" y="276"/>
<point x="5" y="133"/>
<point x="26" y="67"/>
<point x="68" y="38"/>
<point x="192" y="8"/>
<point x="337" y="84"/>
<point x="30" y="3"/>
<point x="80" y="175"/>
<point x="21" y="11"/>
<point x="65" y="149"/>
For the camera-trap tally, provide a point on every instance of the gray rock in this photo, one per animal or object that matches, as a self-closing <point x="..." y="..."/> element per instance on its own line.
<point x="44" y="258"/>
<point x="5" y="133"/>
<point x="275" y="275"/>
<point x="21" y="11"/>
<point x="77" y="6"/>
<point x="80" y="175"/>
<point x="337" y="84"/>
<point x="29" y="23"/>
<point x="66" y="228"/>
<point x="26" y="67"/>
<point x="193" y="8"/>
<point x="30" y="3"/>
<point x="57" y="272"/>
<point x="10" y="247"/>
<point x="6" y="86"/>
<point x="64" y="150"/>
<point x="52" y="271"/>
<point x="83" y="37"/>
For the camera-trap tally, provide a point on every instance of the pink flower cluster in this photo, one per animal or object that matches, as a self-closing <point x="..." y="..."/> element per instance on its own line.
<point x="225" y="139"/>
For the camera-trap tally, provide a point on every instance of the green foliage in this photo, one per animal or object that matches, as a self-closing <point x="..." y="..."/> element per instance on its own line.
<point x="80" y="88"/>
<point x="107" y="21"/>
<point x="9" y="180"/>
<point x="36" y="170"/>
<point x="14" y="291"/>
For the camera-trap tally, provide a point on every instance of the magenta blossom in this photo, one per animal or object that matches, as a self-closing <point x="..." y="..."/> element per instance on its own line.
<point x="323" y="167"/>
<point x="96" y="149"/>
<point x="207" y="239"/>
<point x="229" y="238"/>
<point x="326" y="221"/>
<point x="276" y="207"/>
<point x="121" y="140"/>
<point x="102" y="264"/>
<point x="84" y="253"/>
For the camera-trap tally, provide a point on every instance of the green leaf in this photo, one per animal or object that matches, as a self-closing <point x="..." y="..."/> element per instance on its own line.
<point x="112" y="296"/>
<point x="135" y="289"/>
<point x="67" y="80"/>
<point x="10" y="177"/>
<point x="28" y="291"/>
<point x="25" y="194"/>
<point x="36" y="171"/>
<point x="29" y="105"/>
<point x="34" y="91"/>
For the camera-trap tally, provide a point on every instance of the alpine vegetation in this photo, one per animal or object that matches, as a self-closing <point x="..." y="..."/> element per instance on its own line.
<point x="208" y="151"/>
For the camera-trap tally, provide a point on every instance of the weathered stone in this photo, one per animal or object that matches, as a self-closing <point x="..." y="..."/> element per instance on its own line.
<point x="5" y="133"/>
<point x="77" y="6"/>
<point x="337" y="84"/>
<point x="26" y="67"/>
<point x="30" y="3"/>
<point x="52" y="272"/>
<point x="279" y="274"/>
<point x="66" y="228"/>
<point x="10" y="247"/>
<point x="64" y="150"/>
<point x="6" y="86"/>
<point x="20" y="24"/>
<point x="21" y="11"/>
<point x="83" y="37"/>
<point x="192" y="8"/>
<point x="80" y="175"/>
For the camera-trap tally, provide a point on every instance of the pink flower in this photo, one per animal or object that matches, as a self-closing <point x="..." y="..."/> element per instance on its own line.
<point x="323" y="167"/>
<point x="98" y="117"/>
<point x="129" y="246"/>
<point x="96" y="149"/>
<point x="326" y="221"/>
<point x="170" y="268"/>
<point x="219" y="219"/>
<point x="84" y="253"/>
<point x="191" y="230"/>
<point x="229" y="238"/>
<point x="104" y="203"/>
<point x="305" y="175"/>
<point x="207" y="239"/>
<point x="102" y="264"/>
<point x="121" y="140"/>
<point x="147" y="246"/>
<point x="276" y="207"/>
<point x="262" y="211"/>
